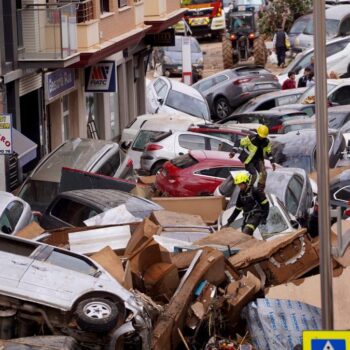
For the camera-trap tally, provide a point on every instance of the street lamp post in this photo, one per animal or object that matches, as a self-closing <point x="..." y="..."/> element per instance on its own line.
<point x="324" y="224"/>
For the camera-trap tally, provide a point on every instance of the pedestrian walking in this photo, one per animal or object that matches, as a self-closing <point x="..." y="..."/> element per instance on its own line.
<point x="303" y="80"/>
<point x="253" y="202"/>
<point x="311" y="66"/>
<point x="289" y="83"/>
<point x="253" y="149"/>
<point x="279" y="44"/>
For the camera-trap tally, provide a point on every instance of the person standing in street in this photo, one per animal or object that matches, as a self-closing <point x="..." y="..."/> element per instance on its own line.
<point x="302" y="82"/>
<point x="289" y="83"/>
<point x="253" y="149"/>
<point x="279" y="44"/>
<point x="253" y="202"/>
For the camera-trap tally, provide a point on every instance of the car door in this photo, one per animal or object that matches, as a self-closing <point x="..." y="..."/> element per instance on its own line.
<point x="15" y="259"/>
<point x="294" y="195"/>
<point x="156" y="92"/>
<point x="54" y="277"/>
<point x="218" y="145"/>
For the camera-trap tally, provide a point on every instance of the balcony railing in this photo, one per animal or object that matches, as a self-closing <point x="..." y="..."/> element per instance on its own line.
<point x="47" y="31"/>
<point x="85" y="11"/>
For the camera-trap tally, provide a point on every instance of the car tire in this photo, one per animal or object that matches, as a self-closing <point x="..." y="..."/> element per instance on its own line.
<point x="227" y="53"/>
<point x="260" y="51"/>
<point x="97" y="315"/>
<point x="222" y="108"/>
<point x="156" y="167"/>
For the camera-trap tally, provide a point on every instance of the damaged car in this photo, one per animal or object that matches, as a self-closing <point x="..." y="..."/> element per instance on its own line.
<point x="50" y="291"/>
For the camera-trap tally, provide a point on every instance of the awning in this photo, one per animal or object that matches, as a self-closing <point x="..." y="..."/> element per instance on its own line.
<point x="24" y="147"/>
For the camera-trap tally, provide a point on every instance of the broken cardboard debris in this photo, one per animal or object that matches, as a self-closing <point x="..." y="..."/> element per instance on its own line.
<point x="280" y="260"/>
<point x="31" y="231"/>
<point x="167" y="218"/>
<point x="111" y="262"/>
<point x="92" y="241"/>
<point x="308" y="291"/>
<point x="239" y="293"/>
<point x="278" y="324"/>
<point x="209" y="208"/>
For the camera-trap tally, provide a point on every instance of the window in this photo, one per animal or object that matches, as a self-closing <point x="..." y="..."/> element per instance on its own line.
<point x="266" y="105"/>
<point x="218" y="145"/>
<point x="343" y="194"/>
<point x="293" y="194"/>
<point x="287" y="100"/>
<point x="341" y="96"/>
<point x="345" y="27"/>
<point x="71" y="212"/>
<point x="248" y="119"/>
<point x="220" y="78"/>
<point x="187" y="104"/>
<point x="71" y="262"/>
<point x="122" y="3"/>
<point x="184" y="161"/>
<point x="310" y="111"/>
<point x="65" y="116"/>
<point x="221" y="172"/>
<point x="144" y="137"/>
<point x="332" y="49"/>
<point x="205" y="85"/>
<point x="110" y="167"/>
<point x="11" y="216"/>
<point x="104" y="6"/>
<point x="16" y="247"/>
<point x="192" y="142"/>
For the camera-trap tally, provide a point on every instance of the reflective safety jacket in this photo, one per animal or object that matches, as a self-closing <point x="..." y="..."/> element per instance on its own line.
<point x="249" y="145"/>
<point x="252" y="201"/>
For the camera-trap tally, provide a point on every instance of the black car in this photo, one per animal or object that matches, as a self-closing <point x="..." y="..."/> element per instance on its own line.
<point x="72" y="208"/>
<point x="297" y="149"/>
<point x="272" y="119"/>
<point x="230" y="88"/>
<point x="270" y="100"/>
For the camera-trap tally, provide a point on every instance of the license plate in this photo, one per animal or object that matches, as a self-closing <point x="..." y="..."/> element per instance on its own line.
<point x="200" y="21"/>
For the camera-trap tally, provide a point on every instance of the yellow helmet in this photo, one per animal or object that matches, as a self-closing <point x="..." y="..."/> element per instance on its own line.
<point x="263" y="131"/>
<point x="241" y="178"/>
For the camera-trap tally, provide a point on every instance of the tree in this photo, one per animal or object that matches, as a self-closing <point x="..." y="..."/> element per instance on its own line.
<point x="282" y="13"/>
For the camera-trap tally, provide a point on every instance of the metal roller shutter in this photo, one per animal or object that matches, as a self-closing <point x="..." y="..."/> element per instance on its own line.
<point x="30" y="83"/>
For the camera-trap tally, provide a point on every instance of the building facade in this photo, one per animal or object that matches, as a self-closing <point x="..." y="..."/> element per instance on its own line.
<point x="77" y="68"/>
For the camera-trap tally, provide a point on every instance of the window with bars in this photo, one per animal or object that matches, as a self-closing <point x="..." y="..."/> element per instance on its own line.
<point x="85" y="11"/>
<point x="122" y="3"/>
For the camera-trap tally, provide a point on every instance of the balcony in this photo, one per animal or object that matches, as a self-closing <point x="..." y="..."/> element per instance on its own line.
<point x="47" y="35"/>
<point x="162" y="14"/>
<point x="139" y="12"/>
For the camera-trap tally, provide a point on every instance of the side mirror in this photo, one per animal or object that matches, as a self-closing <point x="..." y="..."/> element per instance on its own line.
<point x="125" y="145"/>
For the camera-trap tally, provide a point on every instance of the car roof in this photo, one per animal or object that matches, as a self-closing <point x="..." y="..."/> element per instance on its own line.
<point x="106" y="199"/>
<point x="279" y="93"/>
<point x="211" y="155"/>
<point x="299" y="121"/>
<point x="343" y="108"/>
<point x="75" y="153"/>
<point x="274" y="112"/>
<point x="167" y="123"/>
<point x="184" y="88"/>
<point x="337" y="12"/>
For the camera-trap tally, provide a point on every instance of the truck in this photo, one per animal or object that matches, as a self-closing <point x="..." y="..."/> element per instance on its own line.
<point x="204" y="18"/>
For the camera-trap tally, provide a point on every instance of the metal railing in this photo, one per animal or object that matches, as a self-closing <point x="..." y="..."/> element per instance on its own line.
<point x="85" y="11"/>
<point x="47" y="31"/>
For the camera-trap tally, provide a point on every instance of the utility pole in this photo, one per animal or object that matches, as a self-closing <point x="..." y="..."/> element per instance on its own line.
<point x="324" y="223"/>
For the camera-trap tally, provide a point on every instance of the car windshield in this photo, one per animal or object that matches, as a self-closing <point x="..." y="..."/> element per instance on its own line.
<point x="332" y="26"/>
<point x="144" y="137"/>
<point x="299" y="26"/>
<point x="296" y="127"/>
<point x="195" y="48"/>
<point x="241" y="21"/>
<point x="39" y="194"/>
<point x="309" y="95"/>
<point x="275" y="223"/>
<point x="184" y="161"/>
<point x="336" y="120"/>
<point x="250" y="2"/>
<point x="187" y="104"/>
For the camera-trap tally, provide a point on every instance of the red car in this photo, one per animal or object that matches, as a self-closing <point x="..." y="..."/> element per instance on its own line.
<point x="197" y="173"/>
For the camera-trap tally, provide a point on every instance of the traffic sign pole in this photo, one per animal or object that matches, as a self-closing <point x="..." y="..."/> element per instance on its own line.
<point x="324" y="223"/>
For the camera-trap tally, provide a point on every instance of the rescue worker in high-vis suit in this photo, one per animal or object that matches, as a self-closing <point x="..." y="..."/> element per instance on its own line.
<point x="252" y="201"/>
<point x="253" y="150"/>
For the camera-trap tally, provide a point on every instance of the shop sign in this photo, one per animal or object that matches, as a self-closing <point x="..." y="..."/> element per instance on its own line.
<point x="164" y="38"/>
<point x="58" y="81"/>
<point x="101" y="77"/>
<point x="5" y="134"/>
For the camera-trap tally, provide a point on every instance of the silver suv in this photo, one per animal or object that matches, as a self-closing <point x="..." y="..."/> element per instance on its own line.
<point x="61" y="293"/>
<point x="98" y="156"/>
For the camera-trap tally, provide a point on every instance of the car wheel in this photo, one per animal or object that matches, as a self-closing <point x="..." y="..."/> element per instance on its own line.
<point x="97" y="315"/>
<point x="222" y="108"/>
<point x="156" y="167"/>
